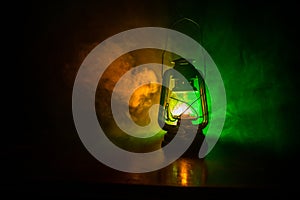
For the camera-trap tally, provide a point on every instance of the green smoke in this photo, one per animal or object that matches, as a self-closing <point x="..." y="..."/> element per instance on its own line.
<point x="246" y="47"/>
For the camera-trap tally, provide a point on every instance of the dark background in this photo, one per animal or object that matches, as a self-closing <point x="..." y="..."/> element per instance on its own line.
<point x="55" y="37"/>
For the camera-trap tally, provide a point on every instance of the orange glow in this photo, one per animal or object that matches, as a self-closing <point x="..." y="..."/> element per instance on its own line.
<point x="186" y="172"/>
<point x="183" y="174"/>
<point x="141" y="101"/>
<point x="141" y="96"/>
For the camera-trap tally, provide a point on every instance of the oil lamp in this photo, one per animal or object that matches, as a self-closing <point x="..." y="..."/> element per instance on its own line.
<point x="183" y="101"/>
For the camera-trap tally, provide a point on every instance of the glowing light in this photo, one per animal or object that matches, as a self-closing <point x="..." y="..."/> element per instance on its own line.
<point x="183" y="110"/>
<point x="141" y="101"/>
<point x="183" y="174"/>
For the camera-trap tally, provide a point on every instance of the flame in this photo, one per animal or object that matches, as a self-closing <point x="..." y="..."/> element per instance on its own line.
<point x="182" y="110"/>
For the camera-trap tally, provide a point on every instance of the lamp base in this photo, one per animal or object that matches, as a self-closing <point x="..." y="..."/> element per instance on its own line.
<point x="193" y="149"/>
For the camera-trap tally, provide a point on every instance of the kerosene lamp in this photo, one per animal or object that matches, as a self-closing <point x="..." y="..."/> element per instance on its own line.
<point x="183" y="102"/>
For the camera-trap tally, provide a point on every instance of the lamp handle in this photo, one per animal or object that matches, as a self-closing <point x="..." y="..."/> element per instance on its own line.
<point x="172" y="26"/>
